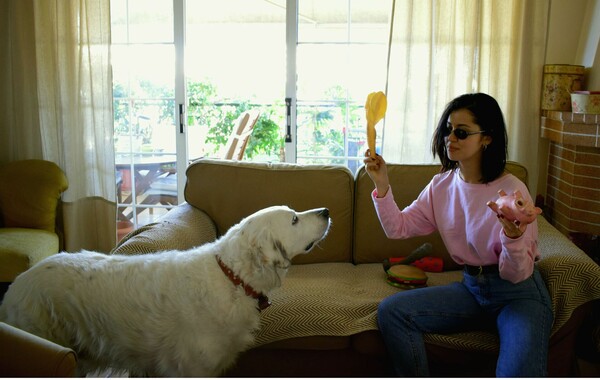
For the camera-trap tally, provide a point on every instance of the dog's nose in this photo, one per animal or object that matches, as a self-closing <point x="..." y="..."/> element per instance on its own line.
<point x="324" y="213"/>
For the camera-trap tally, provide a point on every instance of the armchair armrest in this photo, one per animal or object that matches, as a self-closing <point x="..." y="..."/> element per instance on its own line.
<point x="183" y="227"/>
<point x="26" y="355"/>
<point x="572" y="278"/>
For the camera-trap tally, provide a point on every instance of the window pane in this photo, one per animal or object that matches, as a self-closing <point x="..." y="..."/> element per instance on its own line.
<point x="143" y="62"/>
<point x="341" y="58"/>
<point x="357" y="21"/>
<point x="118" y="21"/>
<point x="323" y="21"/>
<point x="239" y="45"/>
<point x="235" y="60"/>
<point x="321" y="129"/>
<point x="370" y="21"/>
<point x="144" y="126"/>
<point x="321" y="68"/>
<point x="144" y="71"/>
<point x="141" y="21"/>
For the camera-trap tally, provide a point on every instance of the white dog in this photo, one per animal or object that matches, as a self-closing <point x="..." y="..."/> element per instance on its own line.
<point x="174" y="313"/>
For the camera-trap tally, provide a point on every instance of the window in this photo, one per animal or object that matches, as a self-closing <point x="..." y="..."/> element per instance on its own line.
<point x="324" y="56"/>
<point x="143" y="52"/>
<point x="341" y="58"/>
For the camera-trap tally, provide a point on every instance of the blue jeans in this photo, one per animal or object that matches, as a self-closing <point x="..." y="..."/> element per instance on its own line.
<point x="521" y="313"/>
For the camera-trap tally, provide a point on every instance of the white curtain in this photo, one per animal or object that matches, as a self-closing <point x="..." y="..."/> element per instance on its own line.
<point x="442" y="49"/>
<point x="56" y="101"/>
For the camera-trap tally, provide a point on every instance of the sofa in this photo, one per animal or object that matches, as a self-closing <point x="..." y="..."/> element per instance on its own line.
<point x="322" y="321"/>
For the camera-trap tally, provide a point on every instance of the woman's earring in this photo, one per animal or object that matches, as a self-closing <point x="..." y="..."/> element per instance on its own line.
<point x="485" y="147"/>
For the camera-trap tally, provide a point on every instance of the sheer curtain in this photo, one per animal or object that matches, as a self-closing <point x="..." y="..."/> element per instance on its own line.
<point x="56" y="102"/>
<point x="442" y="49"/>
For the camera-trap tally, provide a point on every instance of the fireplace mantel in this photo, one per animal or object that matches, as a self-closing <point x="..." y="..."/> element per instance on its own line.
<point x="569" y="128"/>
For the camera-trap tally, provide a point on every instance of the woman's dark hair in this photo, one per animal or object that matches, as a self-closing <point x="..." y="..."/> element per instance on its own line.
<point x="488" y="115"/>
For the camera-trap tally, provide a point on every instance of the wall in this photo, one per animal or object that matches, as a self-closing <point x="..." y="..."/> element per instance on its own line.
<point x="593" y="75"/>
<point x="573" y="38"/>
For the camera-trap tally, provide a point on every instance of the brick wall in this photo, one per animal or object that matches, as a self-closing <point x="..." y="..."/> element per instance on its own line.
<point x="571" y="128"/>
<point x="573" y="192"/>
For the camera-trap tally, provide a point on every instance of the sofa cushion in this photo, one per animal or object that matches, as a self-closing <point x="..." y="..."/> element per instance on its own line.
<point x="330" y="299"/>
<point x="20" y="248"/>
<point x="310" y="343"/>
<point x="228" y="191"/>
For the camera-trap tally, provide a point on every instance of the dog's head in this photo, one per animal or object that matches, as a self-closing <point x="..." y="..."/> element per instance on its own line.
<point x="288" y="232"/>
<point x="273" y="236"/>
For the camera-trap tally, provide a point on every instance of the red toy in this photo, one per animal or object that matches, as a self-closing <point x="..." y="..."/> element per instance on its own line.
<point x="428" y="263"/>
<point x="409" y="272"/>
<point x="417" y="258"/>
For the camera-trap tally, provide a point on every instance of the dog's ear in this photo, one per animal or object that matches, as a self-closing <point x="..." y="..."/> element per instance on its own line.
<point x="268" y="251"/>
<point x="267" y="257"/>
<point x="278" y="247"/>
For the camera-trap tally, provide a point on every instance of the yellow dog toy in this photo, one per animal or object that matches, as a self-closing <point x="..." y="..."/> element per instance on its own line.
<point x="375" y="108"/>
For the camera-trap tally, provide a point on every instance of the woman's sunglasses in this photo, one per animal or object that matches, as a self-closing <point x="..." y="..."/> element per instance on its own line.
<point x="461" y="134"/>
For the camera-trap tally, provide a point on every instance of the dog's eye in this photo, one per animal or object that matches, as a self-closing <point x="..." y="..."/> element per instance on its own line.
<point x="295" y="219"/>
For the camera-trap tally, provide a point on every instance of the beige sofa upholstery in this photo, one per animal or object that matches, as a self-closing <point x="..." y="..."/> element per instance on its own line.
<point x="322" y="321"/>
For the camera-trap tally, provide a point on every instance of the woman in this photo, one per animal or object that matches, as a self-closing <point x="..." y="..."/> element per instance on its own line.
<point x="501" y="288"/>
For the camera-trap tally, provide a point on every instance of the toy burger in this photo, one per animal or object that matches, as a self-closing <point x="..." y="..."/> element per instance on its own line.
<point x="406" y="276"/>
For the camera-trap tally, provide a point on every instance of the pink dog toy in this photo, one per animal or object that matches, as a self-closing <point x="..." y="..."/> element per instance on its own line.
<point x="514" y="207"/>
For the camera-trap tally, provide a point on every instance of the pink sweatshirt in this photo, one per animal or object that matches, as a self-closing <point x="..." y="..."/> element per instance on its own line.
<point x="470" y="230"/>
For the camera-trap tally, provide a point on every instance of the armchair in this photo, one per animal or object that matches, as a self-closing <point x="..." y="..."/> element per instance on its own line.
<point x="27" y="355"/>
<point x="29" y="198"/>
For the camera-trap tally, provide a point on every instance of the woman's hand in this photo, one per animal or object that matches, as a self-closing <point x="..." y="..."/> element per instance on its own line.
<point x="512" y="229"/>
<point x="377" y="171"/>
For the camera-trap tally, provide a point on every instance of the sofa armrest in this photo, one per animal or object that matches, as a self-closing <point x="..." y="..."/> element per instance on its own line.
<point x="572" y="278"/>
<point x="183" y="227"/>
<point x="26" y="355"/>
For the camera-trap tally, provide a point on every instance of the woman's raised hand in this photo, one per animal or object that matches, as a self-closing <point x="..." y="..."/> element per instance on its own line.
<point x="377" y="171"/>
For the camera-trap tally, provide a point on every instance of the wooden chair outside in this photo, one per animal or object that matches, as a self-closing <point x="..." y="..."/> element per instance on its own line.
<point x="164" y="189"/>
<point x="238" y="140"/>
